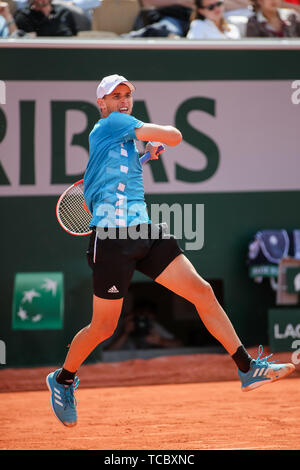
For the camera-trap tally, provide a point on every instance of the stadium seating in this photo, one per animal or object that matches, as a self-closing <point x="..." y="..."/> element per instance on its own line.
<point x="116" y="16"/>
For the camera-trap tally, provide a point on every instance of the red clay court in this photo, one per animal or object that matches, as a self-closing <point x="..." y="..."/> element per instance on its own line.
<point x="179" y="403"/>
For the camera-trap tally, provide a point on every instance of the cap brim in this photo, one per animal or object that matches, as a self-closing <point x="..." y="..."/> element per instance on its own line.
<point x="114" y="86"/>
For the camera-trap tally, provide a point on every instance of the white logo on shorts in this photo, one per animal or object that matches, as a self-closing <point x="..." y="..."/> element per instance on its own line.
<point x="113" y="290"/>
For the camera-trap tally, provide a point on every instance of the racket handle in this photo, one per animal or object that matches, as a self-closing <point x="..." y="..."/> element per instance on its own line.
<point x="145" y="158"/>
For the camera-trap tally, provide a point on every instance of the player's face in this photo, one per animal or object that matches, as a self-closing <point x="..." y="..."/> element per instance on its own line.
<point x="120" y="101"/>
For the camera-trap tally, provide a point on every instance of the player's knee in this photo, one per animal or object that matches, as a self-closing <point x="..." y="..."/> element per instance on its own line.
<point x="204" y="295"/>
<point x="102" y="331"/>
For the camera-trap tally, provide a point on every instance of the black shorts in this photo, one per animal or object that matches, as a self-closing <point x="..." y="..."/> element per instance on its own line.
<point x="114" y="256"/>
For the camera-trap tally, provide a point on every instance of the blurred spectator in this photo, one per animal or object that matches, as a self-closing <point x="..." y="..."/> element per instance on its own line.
<point x="209" y="22"/>
<point x="83" y="6"/>
<point x="46" y="19"/>
<point x="269" y="20"/>
<point x="140" y="330"/>
<point x="82" y="18"/>
<point x="163" y="18"/>
<point x="7" y="22"/>
<point x="242" y="7"/>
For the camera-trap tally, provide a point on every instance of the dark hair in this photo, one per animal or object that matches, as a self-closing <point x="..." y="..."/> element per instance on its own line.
<point x="199" y="4"/>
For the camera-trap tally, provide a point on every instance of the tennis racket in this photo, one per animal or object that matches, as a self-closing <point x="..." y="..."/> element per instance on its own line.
<point x="71" y="210"/>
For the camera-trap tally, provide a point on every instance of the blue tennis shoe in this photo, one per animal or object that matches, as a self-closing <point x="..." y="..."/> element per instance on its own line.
<point x="62" y="399"/>
<point x="262" y="372"/>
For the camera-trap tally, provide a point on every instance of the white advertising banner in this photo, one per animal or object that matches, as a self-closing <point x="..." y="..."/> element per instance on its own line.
<point x="249" y="129"/>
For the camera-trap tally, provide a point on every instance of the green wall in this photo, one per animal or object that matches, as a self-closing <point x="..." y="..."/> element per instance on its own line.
<point x="36" y="243"/>
<point x="31" y="239"/>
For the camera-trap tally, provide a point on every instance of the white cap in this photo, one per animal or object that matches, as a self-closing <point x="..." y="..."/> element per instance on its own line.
<point x="108" y="84"/>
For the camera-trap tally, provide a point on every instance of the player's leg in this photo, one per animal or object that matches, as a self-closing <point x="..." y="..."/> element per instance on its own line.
<point x="106" y="313"/>
<point x="182" y="278"/>
<point x="112" y="273"/>
<point x="62" y="383"/>
<point x="110" y="266"/>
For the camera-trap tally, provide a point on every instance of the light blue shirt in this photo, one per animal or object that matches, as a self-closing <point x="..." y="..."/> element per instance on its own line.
<point x="4" y="31"/>
<point x="113" y="180"/>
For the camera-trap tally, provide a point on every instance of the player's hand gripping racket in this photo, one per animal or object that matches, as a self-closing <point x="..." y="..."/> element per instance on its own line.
<point x="71" y="210"/>
<point x="145" y="158"/>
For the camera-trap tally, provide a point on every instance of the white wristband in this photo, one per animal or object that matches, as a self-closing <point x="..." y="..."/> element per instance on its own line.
<point x="155" y="144"/>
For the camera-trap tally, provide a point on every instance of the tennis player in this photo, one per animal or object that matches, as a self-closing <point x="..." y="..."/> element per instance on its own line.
<point x="114" y="194"/>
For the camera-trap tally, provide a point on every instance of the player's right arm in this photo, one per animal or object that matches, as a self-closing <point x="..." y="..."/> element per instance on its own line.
<point x="168" y="135"/>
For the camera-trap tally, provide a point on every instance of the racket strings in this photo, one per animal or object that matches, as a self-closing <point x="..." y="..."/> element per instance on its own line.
<point x="72" y="213"/>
